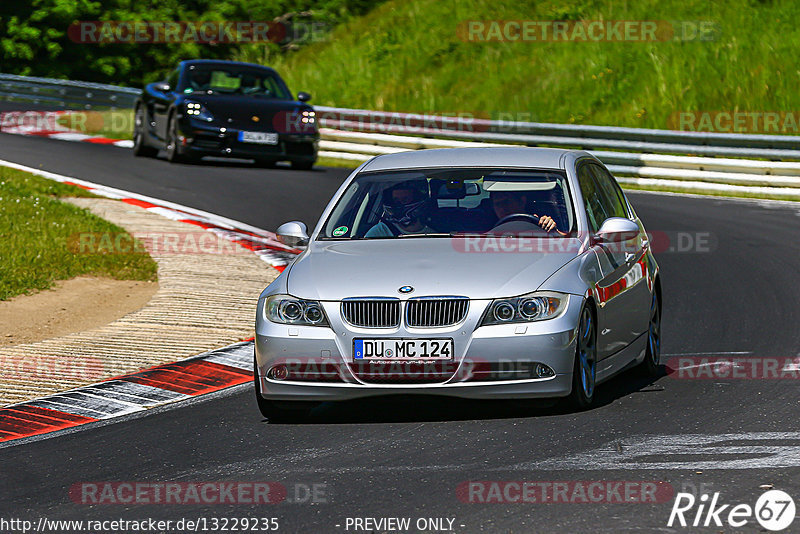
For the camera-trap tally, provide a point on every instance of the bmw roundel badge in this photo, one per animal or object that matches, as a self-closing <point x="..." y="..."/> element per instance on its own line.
<point x="406" y="289"/>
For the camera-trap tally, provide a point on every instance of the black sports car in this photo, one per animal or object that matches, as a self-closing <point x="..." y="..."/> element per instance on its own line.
<point x="228" y="109"/>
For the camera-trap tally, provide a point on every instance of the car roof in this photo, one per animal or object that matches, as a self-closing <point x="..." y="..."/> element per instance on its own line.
<point x="223" y="62"/>
<point x="528" y="157"/>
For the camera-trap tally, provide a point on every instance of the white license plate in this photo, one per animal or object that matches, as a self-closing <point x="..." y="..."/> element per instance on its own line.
<point x="402" y="349"/>
<point x="263" y="138"/>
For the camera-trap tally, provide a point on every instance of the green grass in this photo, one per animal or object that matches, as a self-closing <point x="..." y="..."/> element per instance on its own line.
<point x="408" y="56"/>
<point x="335" y="162"/>
<point x="36" y="229"/>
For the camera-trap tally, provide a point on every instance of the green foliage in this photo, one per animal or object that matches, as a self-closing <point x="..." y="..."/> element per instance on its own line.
<point x="409" y="56"/>
<point x="34" y="39"/>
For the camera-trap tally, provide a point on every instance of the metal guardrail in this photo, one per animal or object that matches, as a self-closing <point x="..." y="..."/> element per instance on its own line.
<point x="650" y="171"/>
<point x="65" y="94"/>
<point x="647" y="157"/>
<point x="696" y="174"/>
<point x="587" y="137"/>
<point x="370" y="144"/>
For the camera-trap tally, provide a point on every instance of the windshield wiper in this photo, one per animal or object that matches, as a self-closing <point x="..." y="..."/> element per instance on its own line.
<point x="424" y="235"/>
<point x="467" y="234"/>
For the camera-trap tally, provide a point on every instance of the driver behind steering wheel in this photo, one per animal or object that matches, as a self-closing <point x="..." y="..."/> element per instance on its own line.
<point x="507" y="203"/>
<point x="406" y="210"/>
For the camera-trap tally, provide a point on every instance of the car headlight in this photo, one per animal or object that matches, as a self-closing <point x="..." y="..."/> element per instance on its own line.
<point x="308" y="117"/>
<point x="285" y="309"/>
<point x="197" y="111"/>
<point x="536" y="306"/>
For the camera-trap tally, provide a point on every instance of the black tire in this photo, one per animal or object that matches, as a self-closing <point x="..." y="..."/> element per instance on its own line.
<point x="302" y="165"/>
<point x="140" y="147"/>
<point x="584" y="370"/>
<point x="651" y="365"/>
<point x="280" y="412"/>
<point x="174" y="154"/>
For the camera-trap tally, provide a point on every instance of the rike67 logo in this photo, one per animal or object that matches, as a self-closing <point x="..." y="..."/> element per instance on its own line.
<point x="774" y="510"/>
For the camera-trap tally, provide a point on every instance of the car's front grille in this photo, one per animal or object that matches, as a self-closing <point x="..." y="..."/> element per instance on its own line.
<point x="436" y="311"/>
<point x="372" y="313"/>
<point x="208" y="144"/>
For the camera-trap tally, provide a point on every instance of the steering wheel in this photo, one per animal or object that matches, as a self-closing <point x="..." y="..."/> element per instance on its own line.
<point x="524" y="217"/>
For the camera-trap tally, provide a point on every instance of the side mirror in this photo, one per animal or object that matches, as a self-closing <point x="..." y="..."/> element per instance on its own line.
<point x="293" y="234"/>
<point x="302" y="96"/>
<point x="617" y="230"/>
<point x="162" y="87"/>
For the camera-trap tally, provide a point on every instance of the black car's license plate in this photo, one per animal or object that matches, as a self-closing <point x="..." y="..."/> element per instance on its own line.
<point x="262" y="138"/>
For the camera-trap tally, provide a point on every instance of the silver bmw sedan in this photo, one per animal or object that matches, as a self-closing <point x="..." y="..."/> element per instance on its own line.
<point x="488" y="273"/>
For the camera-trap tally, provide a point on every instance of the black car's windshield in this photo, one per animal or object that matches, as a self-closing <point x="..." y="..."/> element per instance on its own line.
<point x="235" y="80"/>
<point x="451" y="202"/>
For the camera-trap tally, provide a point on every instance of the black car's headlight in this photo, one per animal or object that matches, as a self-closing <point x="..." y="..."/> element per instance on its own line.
<point x="285" y="309"/>
<point x="536" y="306"/>
<point x="198" y="111"/>
<point x="308" y="117"/>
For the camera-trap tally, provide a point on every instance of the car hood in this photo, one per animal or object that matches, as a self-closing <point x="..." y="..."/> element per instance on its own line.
<point x="432" y="266"/>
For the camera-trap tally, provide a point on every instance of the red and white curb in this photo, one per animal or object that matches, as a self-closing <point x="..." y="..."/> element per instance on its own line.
<point x="162" y="384"/>
<point x="263" y="243"/>
<point x="46" y="124"/>
<point x="127" y="394"/>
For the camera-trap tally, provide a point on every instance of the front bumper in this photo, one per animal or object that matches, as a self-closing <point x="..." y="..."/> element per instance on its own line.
<point x="203" y="139"/>
<point x="513" y="347"/>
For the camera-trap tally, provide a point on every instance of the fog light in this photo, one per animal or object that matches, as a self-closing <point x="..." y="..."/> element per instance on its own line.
<point x="543" y="371"/>
<point x="279" y="372"/>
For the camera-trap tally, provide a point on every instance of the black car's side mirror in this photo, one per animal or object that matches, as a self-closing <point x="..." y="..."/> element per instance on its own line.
<point x="162" y="87"/>
<point x="302" y="96"/>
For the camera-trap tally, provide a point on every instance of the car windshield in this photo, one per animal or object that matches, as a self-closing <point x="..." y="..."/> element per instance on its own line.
<point x="241" y="81"/>
<point x="451" y="202"/>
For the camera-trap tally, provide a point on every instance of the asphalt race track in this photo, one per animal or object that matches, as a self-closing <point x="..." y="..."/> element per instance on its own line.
<point x="401" y="457"/>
